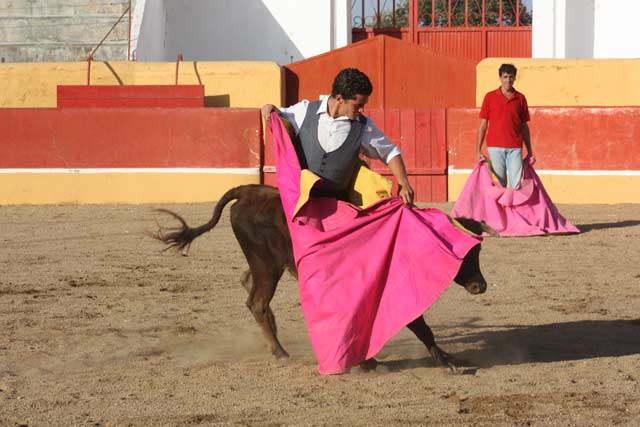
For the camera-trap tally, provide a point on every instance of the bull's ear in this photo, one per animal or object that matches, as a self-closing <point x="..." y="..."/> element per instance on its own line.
<point x="477" y="227"/>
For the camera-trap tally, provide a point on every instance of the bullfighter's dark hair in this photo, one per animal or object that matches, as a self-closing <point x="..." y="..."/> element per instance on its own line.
<point x="351" y="82"/>
<point x="508" y="68"/>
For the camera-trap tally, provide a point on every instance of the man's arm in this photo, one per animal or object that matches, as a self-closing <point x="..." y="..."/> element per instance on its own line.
<point x="482" y="131"/>
<point x="526" y="136"/>
<point x="294" y="114"/>
<point x="396" y="165"/>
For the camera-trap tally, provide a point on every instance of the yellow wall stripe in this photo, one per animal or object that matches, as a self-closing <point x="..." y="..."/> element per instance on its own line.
<point x="226" y="84"/>
<point x="607" y="188"/>
<point x="567" y="82"/>
<point x="129" y="188"/>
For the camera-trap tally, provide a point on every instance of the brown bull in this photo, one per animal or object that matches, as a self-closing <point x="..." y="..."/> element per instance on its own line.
<point x="259" y="224"/>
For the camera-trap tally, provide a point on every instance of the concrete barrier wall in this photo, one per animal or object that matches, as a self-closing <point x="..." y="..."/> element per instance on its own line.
<point x="567" y="82"/>
<point x="584" y="155"/>
<point x="227" y="84"/>
<point x="126" y="155"/>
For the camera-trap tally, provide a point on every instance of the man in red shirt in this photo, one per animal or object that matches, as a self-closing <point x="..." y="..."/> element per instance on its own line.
<point x="506" y="112"/>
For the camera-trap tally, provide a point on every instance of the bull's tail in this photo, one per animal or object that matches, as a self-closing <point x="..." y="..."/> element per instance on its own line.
<point x="180" y="238"/>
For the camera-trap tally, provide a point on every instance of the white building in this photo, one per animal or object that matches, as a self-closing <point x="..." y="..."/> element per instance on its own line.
<point x="286" y="31"/>
<point x="283" y="31"/>
<point x="586" y="29"/>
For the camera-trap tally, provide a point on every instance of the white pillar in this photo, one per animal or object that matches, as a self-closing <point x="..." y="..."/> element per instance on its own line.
<point x="548" y="38"/>
<point x="341" y="23"/>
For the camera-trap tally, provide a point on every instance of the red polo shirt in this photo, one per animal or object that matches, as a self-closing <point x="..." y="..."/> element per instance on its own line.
<point x="505" y="117"/>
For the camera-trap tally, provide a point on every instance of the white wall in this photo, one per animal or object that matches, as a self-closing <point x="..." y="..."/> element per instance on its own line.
<point x="617" y="29"/>
<point x="586" y="29"/>
<point x="547" y="37"/>
<point x="283" y="31"/>
<point x="148" y="31"/>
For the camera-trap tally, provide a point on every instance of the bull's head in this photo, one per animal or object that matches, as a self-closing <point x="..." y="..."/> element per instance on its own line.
<point x="469" y="276"/>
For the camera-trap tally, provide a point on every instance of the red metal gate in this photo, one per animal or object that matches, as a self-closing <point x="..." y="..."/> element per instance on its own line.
<point x="473" y="29"/>
<point x="420" y="134"/>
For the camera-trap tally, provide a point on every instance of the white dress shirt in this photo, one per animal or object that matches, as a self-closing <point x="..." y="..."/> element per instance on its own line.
<point x="333" y="132"/>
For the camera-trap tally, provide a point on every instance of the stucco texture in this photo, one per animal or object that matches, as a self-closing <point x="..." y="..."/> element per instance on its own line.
<point x="227" y="84"/>
<point x="567" y="82"/>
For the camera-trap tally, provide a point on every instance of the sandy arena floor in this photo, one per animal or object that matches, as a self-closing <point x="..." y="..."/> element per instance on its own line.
<point x="98" y="327"/>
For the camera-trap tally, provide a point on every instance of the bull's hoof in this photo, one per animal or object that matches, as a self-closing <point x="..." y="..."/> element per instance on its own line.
<point x="452" y="369"/>
<point x="280" y="354"/>
<point x="443" y="359"/>
<point x="371" y="365"/>
<point x="368" y="365"/>
<point x="449" y="364"/>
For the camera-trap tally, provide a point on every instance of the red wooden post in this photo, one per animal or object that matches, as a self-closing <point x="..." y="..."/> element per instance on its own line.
<point x="433" y="13"/>
<point x="466" y="13"/>
<point x="413" y="21"/>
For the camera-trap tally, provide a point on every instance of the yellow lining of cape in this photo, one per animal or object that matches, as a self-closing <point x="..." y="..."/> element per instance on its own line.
<point x="366" y="188"/>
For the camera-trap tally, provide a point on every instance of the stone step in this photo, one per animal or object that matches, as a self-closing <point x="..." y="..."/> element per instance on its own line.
<point x="61" y="52"/>
<point x="62" y="7"/>
<point x="62" y="30"/>
<point x="71" y="29"/>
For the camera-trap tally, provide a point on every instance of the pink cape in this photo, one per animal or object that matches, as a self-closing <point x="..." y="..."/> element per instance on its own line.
<point x="363" y="274"/>
<point x="527" y="211"/>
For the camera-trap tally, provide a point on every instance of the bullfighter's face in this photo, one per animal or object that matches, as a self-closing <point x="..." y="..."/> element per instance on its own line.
<point x="351" y="108"/>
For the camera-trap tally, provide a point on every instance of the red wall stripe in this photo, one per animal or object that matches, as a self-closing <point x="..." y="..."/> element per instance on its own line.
<point x="564" y="138"/>
<point x="130" y="138"/>
<point x="166" y="96"/>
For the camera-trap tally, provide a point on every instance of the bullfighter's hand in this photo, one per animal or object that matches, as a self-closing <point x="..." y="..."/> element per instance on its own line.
<point x="266" y="111"/>
<point x="406" y="192"/>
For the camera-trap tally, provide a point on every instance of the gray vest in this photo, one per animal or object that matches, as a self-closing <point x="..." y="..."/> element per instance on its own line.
<point x="337" y="167"/>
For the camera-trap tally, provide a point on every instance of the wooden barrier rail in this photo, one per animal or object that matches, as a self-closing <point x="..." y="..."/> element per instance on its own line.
<point x="135" y="96"/>
<point x="126" y="155"/>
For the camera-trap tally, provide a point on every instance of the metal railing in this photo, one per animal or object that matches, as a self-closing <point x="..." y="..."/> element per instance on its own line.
<point x="440" y="13"/>
<point x="126" y="11"/>
<point x="90" y="56"/>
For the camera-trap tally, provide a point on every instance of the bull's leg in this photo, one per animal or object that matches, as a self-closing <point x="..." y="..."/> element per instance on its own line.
<point x="247" y="283"/>
<point x="420" y="328"/>
<point x="265" y="281"/>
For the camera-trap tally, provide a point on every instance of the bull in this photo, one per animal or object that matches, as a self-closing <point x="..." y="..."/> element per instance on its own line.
<point x="259" y="224"/>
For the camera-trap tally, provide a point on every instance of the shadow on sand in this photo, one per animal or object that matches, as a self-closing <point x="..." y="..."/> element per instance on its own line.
<point x="554" y="342"/>
<point x="585" y="228"/>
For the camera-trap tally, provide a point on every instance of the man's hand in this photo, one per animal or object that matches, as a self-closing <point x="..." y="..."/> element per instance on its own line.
<point x="266" y="110"/>
<point x="399" y="171"/>
<point x="406" y="192"/>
